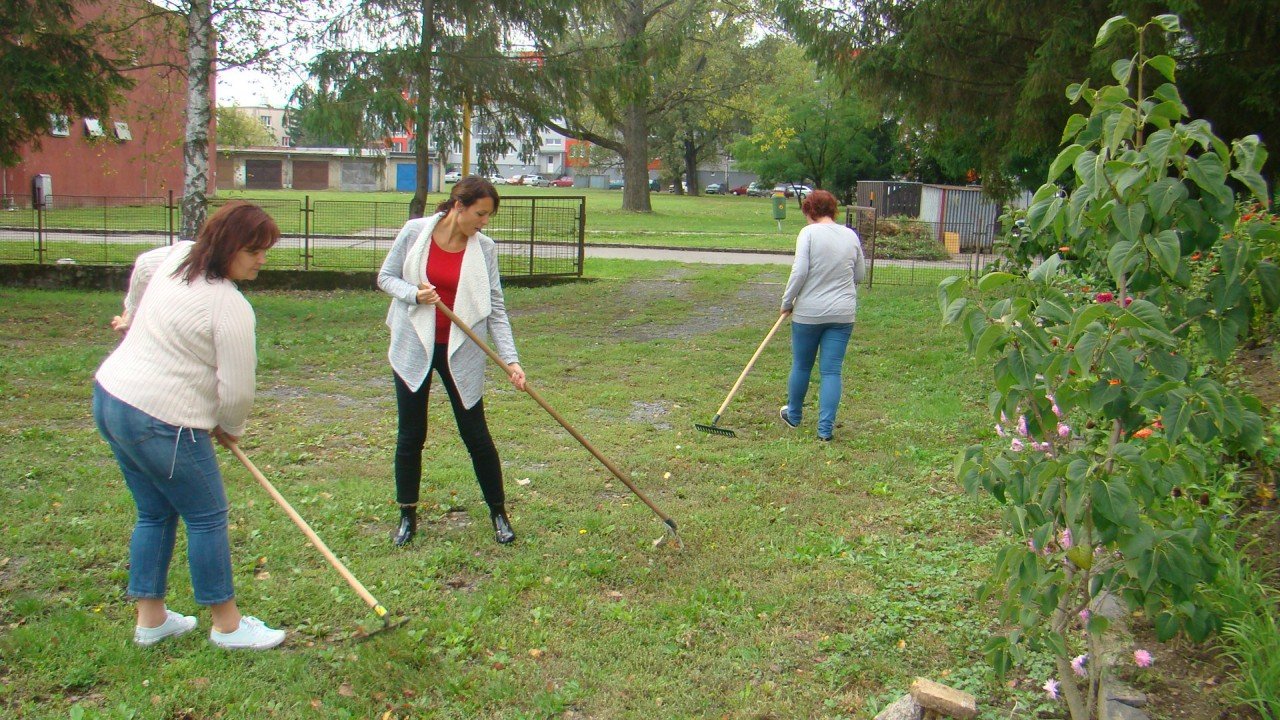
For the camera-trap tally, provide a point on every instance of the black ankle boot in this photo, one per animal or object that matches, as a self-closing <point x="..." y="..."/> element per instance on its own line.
<point x="502" y="531"/>
<point x="408" y="524"/>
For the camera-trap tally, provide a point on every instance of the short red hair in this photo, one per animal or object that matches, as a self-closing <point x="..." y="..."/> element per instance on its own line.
<point x="819" y="204"/>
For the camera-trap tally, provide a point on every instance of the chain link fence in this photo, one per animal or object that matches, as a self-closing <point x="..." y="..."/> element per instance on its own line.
<point x="536" y="237"/>
<point x="906" y="251"/>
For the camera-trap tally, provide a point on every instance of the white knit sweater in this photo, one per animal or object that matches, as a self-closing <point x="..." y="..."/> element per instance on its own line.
<point x="188" y="358"/>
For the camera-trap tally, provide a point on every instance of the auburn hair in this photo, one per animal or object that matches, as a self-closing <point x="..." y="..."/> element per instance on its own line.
<point x="467" y="191"/>
<point x="234" y="227"/>
<point x="819" y="204"/>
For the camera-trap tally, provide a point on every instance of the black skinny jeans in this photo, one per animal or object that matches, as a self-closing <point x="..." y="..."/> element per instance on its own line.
<point x="411" y="436"/>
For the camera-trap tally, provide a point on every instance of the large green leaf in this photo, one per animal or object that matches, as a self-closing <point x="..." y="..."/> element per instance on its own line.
<point x="1112" y="500"/>
<point x="1074" y="124"/>
<point x="1269" y="284"/>
<point x="1128" y="218"/>
<point x="1121" y="70"/>
<point x="1123" y="257"/>
<point x="1145" y="313"/>
<point x="1168" y="364"/>
<point x="1210" y="174"/>
<point x="988" y="339"/>
<point x="1169" y="23"/>
<point x="1167" y="250"/>
<point x="1086" y="167"/>
<point x="1084" y="316"/>
<point x="1064" y="161"/>
<point x="993" y="280"/>
<point x="1220" y="335"/>
<point x="1046" y="270"/>
<point x="1109" y="28"/>
<point x="1158" y="147"/>
<point x="954" y="310"/>
<point x="1163" y="65"/>
<point x="1162" y="195"/>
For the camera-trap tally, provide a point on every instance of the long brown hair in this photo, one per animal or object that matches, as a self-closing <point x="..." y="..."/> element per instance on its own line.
<point x="467" y="191"/>
<point x="234" y="227"/>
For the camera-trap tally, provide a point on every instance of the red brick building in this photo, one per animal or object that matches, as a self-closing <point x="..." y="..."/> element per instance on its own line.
<point x="137" y="150"/>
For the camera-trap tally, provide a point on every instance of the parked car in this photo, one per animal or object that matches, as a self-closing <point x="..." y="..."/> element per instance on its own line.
<point x="791" y="189"/>
<point x="755" y="189"/>
<point x="655" y="184"/>
<point x="684" y="187"/>
<point x="714" y="189"/>
<point x="452" y="176"/>
<point x="515" y="180"/>
<point x="740" y="190"/>
<point x="562" y="181"/>
<point x="534" y="180"/>
<point x="615" y="185"/>
<point x="496" y="179"/>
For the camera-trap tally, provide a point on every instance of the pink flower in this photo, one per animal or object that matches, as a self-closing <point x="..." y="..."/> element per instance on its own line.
<point x="1000" y="430"/>
<point x="1051" y="688"/>
<point x="1127" y="300"/>
<point x="1142" y="658"/>
<point x="1016" y="445"/>
<point x="1031" y="545"/>
<point x="1077" y="664"/>
<point x="1085" y="615"/>
<point x="1064" y="538"/>
<point x="1022" y="425"/>
<point x="1064" y="430"/>
<point x="1057" y="410"/>
<point x="1104" y="297"/>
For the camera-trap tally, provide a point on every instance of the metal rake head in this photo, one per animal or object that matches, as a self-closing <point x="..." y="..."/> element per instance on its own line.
<point x="714" y="430"/>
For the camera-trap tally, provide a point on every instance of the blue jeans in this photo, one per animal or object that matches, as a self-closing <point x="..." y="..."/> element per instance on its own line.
<point x="826" y="342"/>
<point x="172" y="472"/>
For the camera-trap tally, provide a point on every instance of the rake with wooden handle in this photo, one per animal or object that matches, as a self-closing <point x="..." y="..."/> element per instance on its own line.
<point x="671" y="536"/>
<point x="378" y="609"/>
<point x="714" y="428"/>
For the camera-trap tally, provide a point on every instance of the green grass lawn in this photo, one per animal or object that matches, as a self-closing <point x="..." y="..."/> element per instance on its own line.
<point x="817" y="579"/>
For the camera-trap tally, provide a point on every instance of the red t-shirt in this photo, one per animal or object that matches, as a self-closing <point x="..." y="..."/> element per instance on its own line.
<point x="443" y="269"/>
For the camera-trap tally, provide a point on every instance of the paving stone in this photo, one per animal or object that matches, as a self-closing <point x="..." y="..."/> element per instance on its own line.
<point x="906" y="708"/>
<point x="1113" y="710"/>
<point x="946" y="700"/>
<point x="1122" y="693"/>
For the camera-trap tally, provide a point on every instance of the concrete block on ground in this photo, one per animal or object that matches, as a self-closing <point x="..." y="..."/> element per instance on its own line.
<point x="946" y="700"/>
<point x="905" y="708"/>
<point x="1122" y="693"/>
<point x="1112" y="710"/>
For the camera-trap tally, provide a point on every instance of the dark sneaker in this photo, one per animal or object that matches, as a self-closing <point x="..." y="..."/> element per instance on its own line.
<point x="784" y="416"/>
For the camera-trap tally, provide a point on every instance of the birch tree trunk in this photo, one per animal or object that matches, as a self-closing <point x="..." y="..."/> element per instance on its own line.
<point x="195" y="148"/>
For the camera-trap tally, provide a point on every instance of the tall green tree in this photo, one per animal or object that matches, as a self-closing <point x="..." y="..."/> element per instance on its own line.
<point x="995" y="68"/>
<point x="432" y="58"/>
<point x="222" y="34"/>
<point x="822" y="133"/>
<point x="53" y="62"/>
<point x="239" y="129"/>
<point x="615" y="73"/>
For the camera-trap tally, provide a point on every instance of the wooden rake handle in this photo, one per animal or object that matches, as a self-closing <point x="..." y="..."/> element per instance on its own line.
<point x="311" y="534"/>
<point x="751" y="363"/>
<point x="617" y="472"/>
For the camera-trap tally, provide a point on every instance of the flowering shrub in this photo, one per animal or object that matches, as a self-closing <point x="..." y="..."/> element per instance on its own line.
<point x="1107" y="359"/>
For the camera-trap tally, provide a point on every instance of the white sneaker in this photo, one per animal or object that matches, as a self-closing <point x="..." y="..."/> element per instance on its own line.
<point x="174" y="624"/>
<point x="253" y="634"/>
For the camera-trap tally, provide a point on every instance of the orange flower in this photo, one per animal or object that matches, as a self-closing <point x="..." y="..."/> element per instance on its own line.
<point x="1113" y="381"/>
<point x="1064" y="249"/>
<point x="1143" y="433"/>
<point x="1195" y="255"/>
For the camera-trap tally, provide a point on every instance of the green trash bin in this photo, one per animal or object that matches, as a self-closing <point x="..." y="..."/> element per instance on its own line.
<point x="779" y="206"/>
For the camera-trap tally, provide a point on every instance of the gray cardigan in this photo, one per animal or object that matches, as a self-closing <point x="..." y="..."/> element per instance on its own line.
<point x="479" y="303"/>
<point x="823" y="287"/>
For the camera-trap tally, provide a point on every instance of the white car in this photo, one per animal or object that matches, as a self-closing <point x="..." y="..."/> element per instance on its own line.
<point x="496" y="179"/>
<point x="535" y="181"/>
<point x="452" y="176"/>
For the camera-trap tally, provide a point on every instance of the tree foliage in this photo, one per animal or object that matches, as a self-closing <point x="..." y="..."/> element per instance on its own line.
<point x="431" y="58"/>
<point x="1109" y="379"/>
<point x="52" y="63"/>
<point x="810" y="127"/>
<point x="993" y="68"/>
<point x="239" y="129"/>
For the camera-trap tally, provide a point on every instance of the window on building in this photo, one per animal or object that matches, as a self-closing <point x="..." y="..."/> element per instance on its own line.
<point x="284" y="141"/>
<point x="265" y="120"/>
<point x="59" y="125"/>
<point x="554" y="141"/>
<point x="93" y="128"/>
<point x="122" y="131"/>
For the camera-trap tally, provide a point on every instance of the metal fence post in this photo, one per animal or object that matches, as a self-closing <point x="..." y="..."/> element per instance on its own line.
<point x="582" y="234"/>
<point x="533" y="224"/>
<point x="170" y="208"/>
<point x="40" y="234"/>
<point x="306" y="232"/>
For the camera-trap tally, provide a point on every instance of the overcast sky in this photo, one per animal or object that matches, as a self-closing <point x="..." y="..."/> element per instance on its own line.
<point x="250" y="87"/>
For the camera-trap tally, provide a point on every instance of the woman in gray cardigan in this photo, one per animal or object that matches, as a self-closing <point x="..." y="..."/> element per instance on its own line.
<point x="822" y="297"/>
<point x="446" y="257"/>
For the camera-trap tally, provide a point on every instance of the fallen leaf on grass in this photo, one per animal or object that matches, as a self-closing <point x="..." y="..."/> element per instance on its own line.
<point x="345" y="690"/>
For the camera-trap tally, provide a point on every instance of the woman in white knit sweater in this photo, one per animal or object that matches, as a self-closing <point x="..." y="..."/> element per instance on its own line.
<point x="183" y="377"/>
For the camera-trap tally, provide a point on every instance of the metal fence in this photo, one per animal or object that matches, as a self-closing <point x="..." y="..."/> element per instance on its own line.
<point x="901" y="251"/>
<point x="536" y="236"/>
